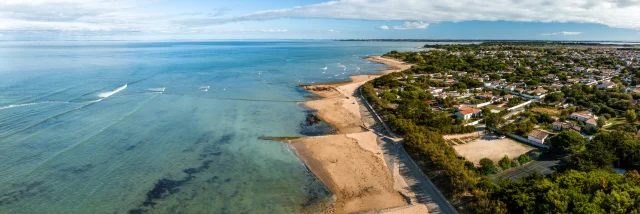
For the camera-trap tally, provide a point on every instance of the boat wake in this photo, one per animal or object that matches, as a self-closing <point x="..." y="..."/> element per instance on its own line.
<point x="28" y="104"/>
<point x="156" y="89"/>
<point x="111" y="93"/>
<point x="344" y="68"/>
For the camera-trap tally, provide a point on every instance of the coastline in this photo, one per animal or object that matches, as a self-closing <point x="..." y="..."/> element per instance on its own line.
<point x="351" y="164"/>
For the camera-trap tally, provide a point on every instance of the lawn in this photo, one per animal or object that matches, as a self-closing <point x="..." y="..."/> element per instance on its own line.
<point x="546" y="110"/>
<point x="495" y="107"/>
<point x="614" y="122"/>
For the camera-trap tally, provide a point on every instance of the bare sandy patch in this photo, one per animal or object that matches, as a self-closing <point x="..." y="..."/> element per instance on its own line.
<point x="490" y="146"/>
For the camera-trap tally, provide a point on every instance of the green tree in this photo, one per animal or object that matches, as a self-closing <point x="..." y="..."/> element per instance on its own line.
<point x="568" y="141"/>
<point x="505" y="162"/>
<point x="494" y="120"/>
<point x="601" y="122"/>
<point x="487" y="166"/>
<point x="630" y="115"/>
<point x="523" y="158"/>
<point x="554" y="97"/>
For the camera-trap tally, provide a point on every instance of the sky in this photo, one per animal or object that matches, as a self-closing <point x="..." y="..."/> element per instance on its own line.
<point x="609" y="20"/>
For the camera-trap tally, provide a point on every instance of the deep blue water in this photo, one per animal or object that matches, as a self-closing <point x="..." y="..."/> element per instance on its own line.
<point x="104" y="127"/>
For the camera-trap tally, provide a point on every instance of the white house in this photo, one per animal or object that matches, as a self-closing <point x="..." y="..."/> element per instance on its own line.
<point x="606" y="85"/>
<point x="466" y="113"/>
<point x="585" y="116"/>
<point x="538" y="136"/>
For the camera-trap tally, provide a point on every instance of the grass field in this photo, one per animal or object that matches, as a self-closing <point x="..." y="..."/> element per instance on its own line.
<point x="546" y="110"/>
<point x="495" y="107"/>
<point x="615" y="122"/>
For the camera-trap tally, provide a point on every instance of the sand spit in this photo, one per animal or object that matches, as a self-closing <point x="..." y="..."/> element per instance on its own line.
<point x="339" y="106"/>
<point x="351" y="164"/>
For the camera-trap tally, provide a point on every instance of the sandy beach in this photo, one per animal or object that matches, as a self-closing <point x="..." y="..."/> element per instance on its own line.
<point x="339" y="106"/>
<point x="351" y="163"/>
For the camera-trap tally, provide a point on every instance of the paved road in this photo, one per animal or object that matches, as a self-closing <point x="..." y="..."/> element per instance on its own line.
<point x="426" y="192"/>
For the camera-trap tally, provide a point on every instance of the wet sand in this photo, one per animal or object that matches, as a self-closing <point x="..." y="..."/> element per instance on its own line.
<point x="350" y="164"/>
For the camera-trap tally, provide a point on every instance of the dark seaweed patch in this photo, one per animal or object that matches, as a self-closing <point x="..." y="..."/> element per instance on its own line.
<point x="212" y="179"/>
<point x="79" y="169"/>
<point x="205" y="137"/>
<point x="131" y="147"/>
<point x="214" y="149"/>
<point x="23" y="191"/>
<point x="313" y="125"/>
<point x="205" y="155"/>
<point x="166" y="187"/>
<point x="226" y="139"/>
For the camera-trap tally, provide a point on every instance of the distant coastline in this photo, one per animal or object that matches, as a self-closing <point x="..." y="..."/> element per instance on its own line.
<point x="603" y="42"/>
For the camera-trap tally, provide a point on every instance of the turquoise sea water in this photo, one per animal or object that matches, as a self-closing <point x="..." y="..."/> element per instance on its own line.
<point x="163" y="127"/>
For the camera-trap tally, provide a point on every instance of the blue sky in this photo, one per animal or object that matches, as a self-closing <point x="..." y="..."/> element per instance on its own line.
<point x="318" y="19"/>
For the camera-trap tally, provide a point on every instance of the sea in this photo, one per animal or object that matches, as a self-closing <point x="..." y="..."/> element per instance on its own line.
<point x="164" y="127"/>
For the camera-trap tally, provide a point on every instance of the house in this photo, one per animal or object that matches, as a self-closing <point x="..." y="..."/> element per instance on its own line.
<point x="466" y="113"/>
<point x="606" y="85"/>
<point x="507" y="97"/>
<point x="487" y="96"/>
<point x="582" y="116"/>
<point x="435" y="90"/>
<point x="538" y="136"/>
<point x="538" y="91"/>
<point x="573" y="81"/>
<point x="634" y="90"/>
<point x="586" y="117"/>
<point x="431" y="103"/>
<point x="592" y="122"/>
<point x="560" y="126"/>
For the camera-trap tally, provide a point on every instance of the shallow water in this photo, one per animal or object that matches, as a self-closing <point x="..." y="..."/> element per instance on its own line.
<point x="104" y="127"/>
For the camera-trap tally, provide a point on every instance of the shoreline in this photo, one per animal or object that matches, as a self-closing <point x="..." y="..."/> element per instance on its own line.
<point x="351" y="163"/>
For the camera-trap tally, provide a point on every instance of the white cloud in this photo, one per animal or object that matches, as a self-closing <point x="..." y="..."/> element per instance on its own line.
<point x="274" y="31"/>
<point x="562" y="33"/>
<point x="613" y="13"/>
<point x="224" y="30"/>
<point x="407" y="26"/>
<point x="121" y="16"/>
<point x="412" y="25"/>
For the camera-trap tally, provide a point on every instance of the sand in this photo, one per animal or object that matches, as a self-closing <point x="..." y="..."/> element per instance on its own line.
<point x="394" y="65"/>
<point x="358" y="177"/>
<point x="490" y="146"/>
<point x="339" y="106"/>
<point x="351" y="164"/>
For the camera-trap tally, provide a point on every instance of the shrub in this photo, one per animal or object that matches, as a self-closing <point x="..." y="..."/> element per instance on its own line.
<point x="523" y="158"/>
<point x="505" y="162"/>
<point x="487" y="166"/>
